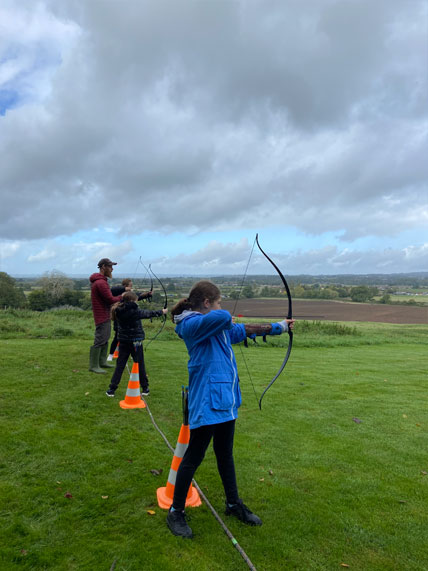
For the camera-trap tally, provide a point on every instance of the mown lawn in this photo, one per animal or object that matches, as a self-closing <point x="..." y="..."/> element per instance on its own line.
<point x="335" y="463"/>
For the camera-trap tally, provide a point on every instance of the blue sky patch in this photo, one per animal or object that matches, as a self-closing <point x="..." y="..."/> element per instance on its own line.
<point x="8" y="100"/>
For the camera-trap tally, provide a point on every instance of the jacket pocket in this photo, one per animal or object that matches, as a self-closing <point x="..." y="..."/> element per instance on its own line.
<point x="221" y="392"/>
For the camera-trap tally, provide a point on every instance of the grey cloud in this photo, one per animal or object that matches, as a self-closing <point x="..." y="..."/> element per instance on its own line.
<point x="203" y="115"/>
<point x="72" y="258"/>
<point x="212" y="258"/>
<point x="218" y="258"/>
<point x="332" y="260"/>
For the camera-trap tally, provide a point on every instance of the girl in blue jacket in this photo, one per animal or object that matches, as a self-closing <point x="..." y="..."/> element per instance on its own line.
<point x="214" y="394"/>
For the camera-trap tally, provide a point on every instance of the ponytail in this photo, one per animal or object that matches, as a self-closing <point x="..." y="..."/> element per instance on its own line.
<point x="113" y="310"/>
<point x="179" y="307"/>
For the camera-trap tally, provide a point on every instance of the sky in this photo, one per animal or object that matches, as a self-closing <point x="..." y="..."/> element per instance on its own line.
<point x="175" y="130"/>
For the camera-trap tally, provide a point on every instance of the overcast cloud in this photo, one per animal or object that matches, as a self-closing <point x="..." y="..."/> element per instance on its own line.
<point x="194" y="124"/>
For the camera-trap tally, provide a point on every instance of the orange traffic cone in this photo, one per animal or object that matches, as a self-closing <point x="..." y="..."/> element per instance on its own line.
<point x="133" y="394"/>
<point x="116" y="352"/>
<point x="165" y="495"/>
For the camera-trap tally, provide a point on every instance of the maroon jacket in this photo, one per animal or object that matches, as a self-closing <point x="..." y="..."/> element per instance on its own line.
<point x="101" y="298"/>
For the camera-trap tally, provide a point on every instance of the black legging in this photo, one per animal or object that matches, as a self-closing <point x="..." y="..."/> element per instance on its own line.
<point x="113" y="344"/>
<point x="127" y="348"/>
<point x="222" y="435"/>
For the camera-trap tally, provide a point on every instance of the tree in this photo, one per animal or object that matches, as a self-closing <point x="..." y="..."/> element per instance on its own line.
<point x="169" y="285"/>
<point x="298" y="291"/>
<point x="234" y="294"/>
<point x="55" y="284"/>
<point x="55" y="289"/>
<point x="159" y="297"/>
<point x="363" y="293"/>
<point x="342" y="291"/>
<point x="10" y="294"/>
<point x="328" y="293"/>
<point x="269" y="292"/>
<point x="247" y="291"/>
<point x="38" y="300"/>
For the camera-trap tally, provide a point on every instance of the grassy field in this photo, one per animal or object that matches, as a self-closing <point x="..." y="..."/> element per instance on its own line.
<point x="335" y="463"/>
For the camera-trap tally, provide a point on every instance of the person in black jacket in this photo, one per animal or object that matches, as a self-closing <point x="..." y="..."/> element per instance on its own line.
<point x="130" y="334"/>
<point x="118" y="290"/>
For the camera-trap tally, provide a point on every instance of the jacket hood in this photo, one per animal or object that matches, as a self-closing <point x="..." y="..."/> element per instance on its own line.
<point x="97" y="276"/>
<point x="186" y="313"/>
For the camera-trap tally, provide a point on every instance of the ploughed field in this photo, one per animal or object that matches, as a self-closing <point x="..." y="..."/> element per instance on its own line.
<point x="327" y="310"/>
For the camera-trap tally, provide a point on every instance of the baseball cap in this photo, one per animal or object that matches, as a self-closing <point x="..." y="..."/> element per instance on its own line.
<point x="106" y="262"/>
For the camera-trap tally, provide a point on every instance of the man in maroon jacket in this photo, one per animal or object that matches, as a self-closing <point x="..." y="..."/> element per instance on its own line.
<point x="102" y="299"/>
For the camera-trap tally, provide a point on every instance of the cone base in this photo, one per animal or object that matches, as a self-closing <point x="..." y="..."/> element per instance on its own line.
<point x="124" y="404"/>
<point x="165" y="502"/>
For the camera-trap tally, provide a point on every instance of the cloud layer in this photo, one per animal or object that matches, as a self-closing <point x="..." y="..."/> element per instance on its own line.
<point x="201" y="116"/>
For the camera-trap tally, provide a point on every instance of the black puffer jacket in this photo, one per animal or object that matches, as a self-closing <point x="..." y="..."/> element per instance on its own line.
<point x="128" y="318"/>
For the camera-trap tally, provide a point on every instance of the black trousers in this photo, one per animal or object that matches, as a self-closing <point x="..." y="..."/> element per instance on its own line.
<point x="222" y="435"/>
<point x="135" y="349"/>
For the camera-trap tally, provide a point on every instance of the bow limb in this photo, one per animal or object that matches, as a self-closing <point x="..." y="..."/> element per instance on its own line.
<point x="165" y="305"/>
<point x="151" y="277"/>
<point x="289" y="316"/>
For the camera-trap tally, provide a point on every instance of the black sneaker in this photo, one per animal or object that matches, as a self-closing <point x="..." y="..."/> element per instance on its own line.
<point x="176" y="521"/>
<point x="110" y="393"/>
<point x="145" y="392"/>
<point x="243" y="513"/>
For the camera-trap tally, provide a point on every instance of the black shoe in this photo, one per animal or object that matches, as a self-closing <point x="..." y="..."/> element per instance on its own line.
<point x="243" y="513"/>
<point x="176" y="521"/>
<point x="145" y="392"/>
<point x="110" y="393"/>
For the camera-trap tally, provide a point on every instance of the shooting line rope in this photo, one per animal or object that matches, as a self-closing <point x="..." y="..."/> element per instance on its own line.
<point x="203" y="496"/>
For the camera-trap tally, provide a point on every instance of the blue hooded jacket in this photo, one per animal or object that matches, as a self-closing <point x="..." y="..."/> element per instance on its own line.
<point x="214" y="393"/>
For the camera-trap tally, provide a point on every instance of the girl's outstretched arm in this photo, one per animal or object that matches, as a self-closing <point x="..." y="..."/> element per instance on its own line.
<point x="254" y="329"/>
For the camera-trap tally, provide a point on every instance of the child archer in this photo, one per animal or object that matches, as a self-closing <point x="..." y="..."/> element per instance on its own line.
<point x="130" y="334"/>
<point x="214" y="395"/>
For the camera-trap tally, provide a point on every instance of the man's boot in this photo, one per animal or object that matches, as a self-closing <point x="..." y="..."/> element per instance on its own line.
<point x="103" y="358"/>
<point x="94" y="360"/>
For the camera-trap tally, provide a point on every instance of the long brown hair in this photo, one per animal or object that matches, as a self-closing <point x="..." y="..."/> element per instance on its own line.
<point x="127" y="296"/>
<point x="198" y="294"/>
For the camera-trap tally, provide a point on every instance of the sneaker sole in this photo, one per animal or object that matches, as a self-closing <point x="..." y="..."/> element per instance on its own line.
<point x="252" y="523"/>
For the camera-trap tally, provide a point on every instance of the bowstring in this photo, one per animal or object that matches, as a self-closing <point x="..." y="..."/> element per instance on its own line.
<point x="140" y="262"/>
<point x="165" y="306"/>
<point x="148" y="270"/>
<point x="233" y="313"/>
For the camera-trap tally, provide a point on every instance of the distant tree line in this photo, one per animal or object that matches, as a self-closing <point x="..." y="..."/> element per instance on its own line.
<point x="305" y="291"/>
<point x="359" y="293"/>
<point x="415" y="280"/>
<point x="54" y="289"/>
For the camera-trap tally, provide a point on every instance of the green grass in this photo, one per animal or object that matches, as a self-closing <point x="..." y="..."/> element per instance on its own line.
<point x="329" y="489"/>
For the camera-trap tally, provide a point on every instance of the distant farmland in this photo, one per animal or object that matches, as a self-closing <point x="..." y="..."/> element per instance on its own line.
<point x="328" y="310"/>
